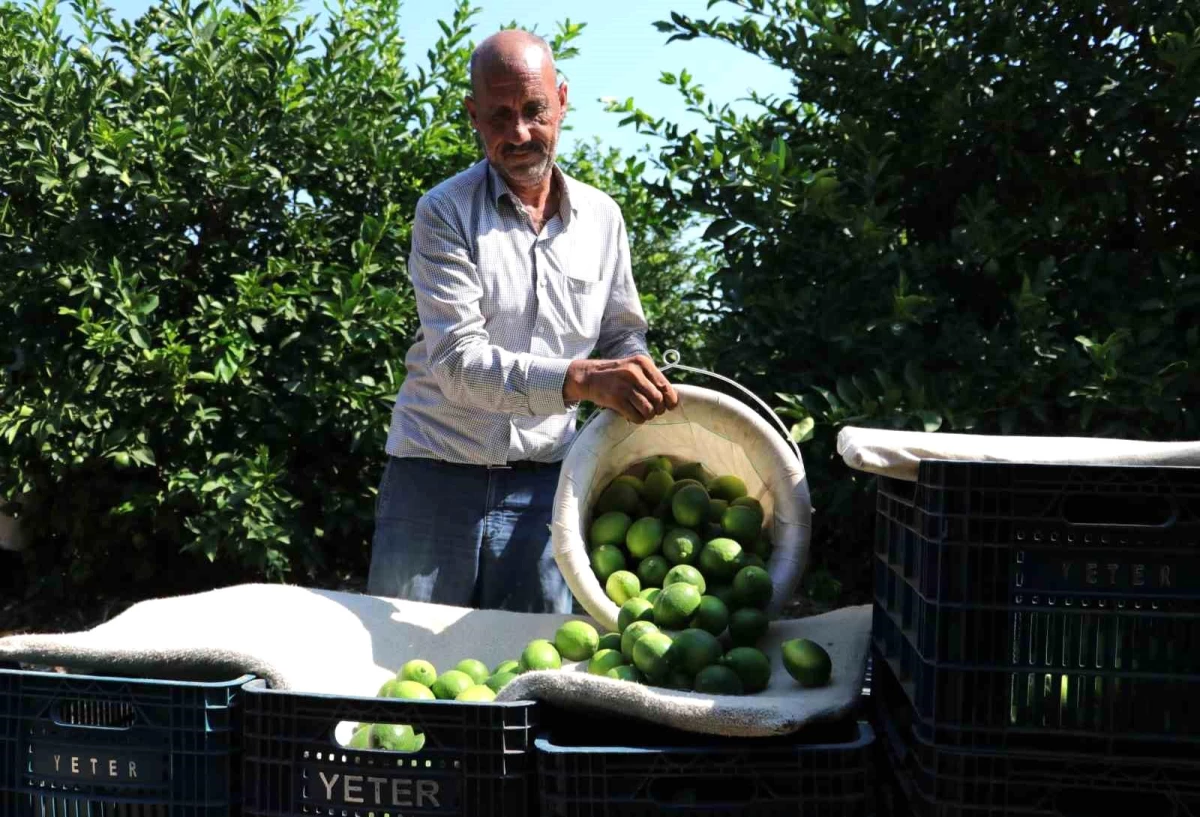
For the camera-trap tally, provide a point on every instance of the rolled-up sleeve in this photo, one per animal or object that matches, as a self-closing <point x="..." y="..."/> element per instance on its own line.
<point x="623" y="327"/>
<point x="468" y="367"/>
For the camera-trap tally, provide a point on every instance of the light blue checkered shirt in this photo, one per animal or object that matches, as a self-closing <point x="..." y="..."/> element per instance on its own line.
<point x="503" y="312"/>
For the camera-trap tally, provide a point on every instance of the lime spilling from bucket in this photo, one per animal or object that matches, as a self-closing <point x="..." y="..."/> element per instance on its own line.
<point x="685" y="574"/>
<point x="622" y="586"/>
<point x="540" y="654"/>
<point x="638" y="609"/>
<point x="605" y="660"/>
<point x="694" y="650"/>
<point x="676" y="605"/>
<point x="807" y="662"/>
<point x="576" y="640"/>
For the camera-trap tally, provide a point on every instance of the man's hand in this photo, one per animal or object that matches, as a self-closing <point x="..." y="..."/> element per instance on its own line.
<point x="633" y="387"/>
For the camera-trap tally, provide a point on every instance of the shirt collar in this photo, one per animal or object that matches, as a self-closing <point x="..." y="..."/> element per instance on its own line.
<point x="566" y="207"/>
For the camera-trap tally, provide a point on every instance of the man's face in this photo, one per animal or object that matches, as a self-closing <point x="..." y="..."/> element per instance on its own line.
<point x="518" y="113"/>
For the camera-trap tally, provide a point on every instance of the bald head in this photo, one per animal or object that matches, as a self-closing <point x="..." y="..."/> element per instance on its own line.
<point x="517" y="106"/>
<point x="510" y="52"/>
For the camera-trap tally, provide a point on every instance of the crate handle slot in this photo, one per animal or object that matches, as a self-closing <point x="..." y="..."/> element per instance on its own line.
<point x="83" y="713"/>
<point x="689" y="792"/>
<point x="1126" y="511"/>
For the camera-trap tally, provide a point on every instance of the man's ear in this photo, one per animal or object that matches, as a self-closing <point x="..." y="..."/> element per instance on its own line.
<point x="562" y="101"/>
<point x="469" y="104"/>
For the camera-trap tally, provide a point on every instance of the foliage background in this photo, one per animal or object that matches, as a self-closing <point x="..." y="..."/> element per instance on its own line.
<point x="966" y="217"/>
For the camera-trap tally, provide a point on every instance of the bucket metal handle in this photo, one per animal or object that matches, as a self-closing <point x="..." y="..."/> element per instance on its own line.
<point x="671" y="360"/>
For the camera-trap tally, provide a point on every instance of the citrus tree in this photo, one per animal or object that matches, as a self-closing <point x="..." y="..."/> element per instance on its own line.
<point x="204" y="214"/>
<point x="966" y="216"/>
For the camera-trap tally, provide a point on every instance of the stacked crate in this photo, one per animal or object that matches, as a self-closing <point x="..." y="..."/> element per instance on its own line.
<point x="1037" y="638"/>
<point x="90" y="746"/>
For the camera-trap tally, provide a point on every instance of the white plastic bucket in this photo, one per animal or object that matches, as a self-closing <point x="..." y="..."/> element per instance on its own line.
<point x="725" y="435"/>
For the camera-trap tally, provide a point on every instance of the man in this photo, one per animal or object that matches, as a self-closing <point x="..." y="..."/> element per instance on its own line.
<point x="520" y="274"/>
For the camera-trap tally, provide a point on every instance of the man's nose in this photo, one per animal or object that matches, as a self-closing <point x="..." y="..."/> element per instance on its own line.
<point x="520" y="131"/>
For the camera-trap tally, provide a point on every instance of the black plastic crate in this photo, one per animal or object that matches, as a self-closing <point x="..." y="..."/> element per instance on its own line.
<point x="927" y="779"/>
<point x="477" y="760"/>
<point x="623" y="768"/>
<point x="1028" y="604"/>
<point x="88" y="746"/>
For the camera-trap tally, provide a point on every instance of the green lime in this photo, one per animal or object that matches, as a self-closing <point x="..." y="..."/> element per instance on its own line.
<point x="751" y="666"/>
<point x="604" y="660"/>
<point x="763" y="546"/>
<point x="690" y="505"/>
<point x="807" y="662"/>
<point x="500" y="680"/>
<point x="685" y="574"/>
<point x="477" y="670"/>
<point x="576" y="640"/>
<point x="479" y="692"/>
<point x="752" y="587"/>
<point x="629" y="479"/>
<point x="681" y="546"/>
<point x="417" y="670"/>
<point x="450" y="683"/>
<point x="632" y="633"/>
<point x="637" y="609"/>
<point x="676" y="605"/>
<point x="747" y="626"/>
<point x="712" y="615"/>
<point x="506" y="666"/>
<point x="619" y="496"/>
<point x="650" y="655"/>
<point x="412" y="691"/>
<point x="622" y="586"/>
<point x="609" y="529"/>
<point x="659" y="463"/>
<point x="680" y="484"/>
<point x="718" y="680"/>
<point x="609" y="641"/>
<point x="693" y="470"/>
<point x="742" y="524"/>
<point x="694" y="650"/>
<point x="657" y="485"/>
<point x="625" y="673"/>
<point x="388" y="687"/>
<point x="650" y="594"/>
<point x="395" y="737"/>
<point x="719" y="559"/>
<point x="653" y="571"/>
<point x="716" y="509"/>
<point x="750" y="502"/>
<point x="540" y="654"/>
<point x="752" y="560"/>
<point x="679" y="680"/>
<point x="607" y="560"/>
<point x="361" y="739"/>
<point x="724" y="592"/>
<point x="728" y="487"/>
<point x="644" y="537"/>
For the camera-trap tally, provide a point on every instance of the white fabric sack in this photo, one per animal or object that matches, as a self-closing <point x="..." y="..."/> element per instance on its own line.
<point x="346" y="644"/>
<point x="726" y="436"/>
<point x="897" y="453"/>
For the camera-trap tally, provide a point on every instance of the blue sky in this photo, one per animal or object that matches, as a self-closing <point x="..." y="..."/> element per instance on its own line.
<point x="621" y="55"/>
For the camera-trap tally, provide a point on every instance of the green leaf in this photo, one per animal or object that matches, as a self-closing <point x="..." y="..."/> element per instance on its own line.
<point x="720" y="227"/>
<point x="138" y="337"/>
<point x="802" y="431"/>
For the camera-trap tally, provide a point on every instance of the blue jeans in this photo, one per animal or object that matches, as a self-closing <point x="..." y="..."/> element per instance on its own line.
<point x="467" y="536"/>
